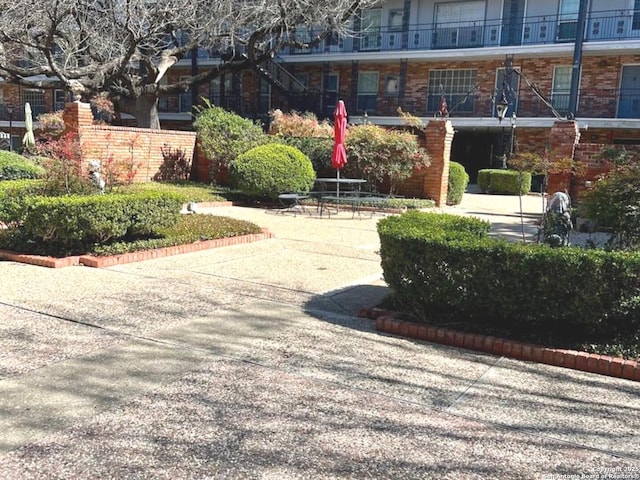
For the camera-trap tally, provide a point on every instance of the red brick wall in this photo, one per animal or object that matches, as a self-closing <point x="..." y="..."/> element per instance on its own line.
<point x="139" y="147"/>
<point x="438" y="139"/>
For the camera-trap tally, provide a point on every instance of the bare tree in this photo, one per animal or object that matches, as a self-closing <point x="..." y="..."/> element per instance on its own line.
<point x="125" y="47"/>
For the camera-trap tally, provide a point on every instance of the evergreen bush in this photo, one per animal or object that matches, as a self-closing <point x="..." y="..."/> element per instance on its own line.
<point x="504" y="182"/>
<point x="12" y="198"/>
<point x="445" y="268"/>
<point x="224" y="135"/>
<point x="268" y="170"/>
<point x="75" y="223"/>
<point x="15" y="167"/>
<point x="458" y="181"/>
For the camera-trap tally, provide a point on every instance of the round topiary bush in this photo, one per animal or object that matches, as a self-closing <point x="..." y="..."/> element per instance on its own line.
<point x="17" y="167"/>
<point x="458" y="181"/>
<point x="269" y="170"/>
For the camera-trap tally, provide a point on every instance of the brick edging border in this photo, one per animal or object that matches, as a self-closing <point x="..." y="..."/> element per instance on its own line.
<point x="576" y="360"/>
<point x="102" y="262"/>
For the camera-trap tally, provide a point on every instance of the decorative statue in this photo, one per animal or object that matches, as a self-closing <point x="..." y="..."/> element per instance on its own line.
<point x="556" y="223"/>
<point x="95" y="176"/>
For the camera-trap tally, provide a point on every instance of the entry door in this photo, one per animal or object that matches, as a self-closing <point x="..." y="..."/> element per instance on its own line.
<point x="629" y="102"/>
<point x="512" y="22"/>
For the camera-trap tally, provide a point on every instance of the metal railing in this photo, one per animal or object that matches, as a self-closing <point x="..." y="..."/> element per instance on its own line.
<point x="614" y="25"/>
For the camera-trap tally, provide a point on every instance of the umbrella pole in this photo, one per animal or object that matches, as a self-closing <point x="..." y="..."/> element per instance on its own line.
<point x="338" y="183"/>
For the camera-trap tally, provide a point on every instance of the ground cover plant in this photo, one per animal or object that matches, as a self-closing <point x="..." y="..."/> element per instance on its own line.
<point x="445" y="270"/>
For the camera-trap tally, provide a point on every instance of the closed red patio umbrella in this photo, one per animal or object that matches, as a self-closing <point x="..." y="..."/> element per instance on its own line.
<point x="339" y="154"/>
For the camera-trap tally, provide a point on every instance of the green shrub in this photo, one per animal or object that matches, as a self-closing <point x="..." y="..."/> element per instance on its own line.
<point x="614" y="202"/>
<point x="447" y="268"/>
<point x="458" y="181"/>
<point x="318" y="150"/>
<point x="12" y="198"/>
<point x="272" y="169"/>
<point x="224" y="135"/>
<point x="504" y="182"/>
<point x="75" y="223"/>
<point x="378" y="154"/>
<point x="16" y="167"/>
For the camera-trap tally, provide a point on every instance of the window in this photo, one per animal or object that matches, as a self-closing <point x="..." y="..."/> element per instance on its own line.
<point x="459" y="24"/>
<point x="455" y="85"/>
<point x="396" y="18"/>
<point x="59" y="99"/>
<point x="392" y="85"/>
<point x="367" y="91"/>
<point x="330" y="93"/>
<point x="568" y="19"/>
<point x="301" y="82"/>
<point x="184" y="103"/>
<point x="35" y="97"/>
<point x="220" y="90"/>
<point x="264" y="96"/>
<point x="370" y="27"/>
<point x="561" y="88"/>
<point x="636" y="15"/>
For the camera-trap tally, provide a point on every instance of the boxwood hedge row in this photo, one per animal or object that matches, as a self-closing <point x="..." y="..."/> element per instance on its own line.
<point x="504" y="182"/>
<point x="74" y="223"/>
<point x="446" y="267"/>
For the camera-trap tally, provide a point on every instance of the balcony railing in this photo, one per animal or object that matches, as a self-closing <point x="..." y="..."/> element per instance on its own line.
<point x="601" y="26"/>
<point x="604" y="103"/>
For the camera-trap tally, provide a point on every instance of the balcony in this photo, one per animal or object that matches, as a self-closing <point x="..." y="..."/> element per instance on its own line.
<point x="603" y="104"/>
<point x="613" y="25"/>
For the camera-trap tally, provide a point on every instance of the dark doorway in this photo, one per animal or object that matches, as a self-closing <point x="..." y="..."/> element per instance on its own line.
<point x="474" y="150"/>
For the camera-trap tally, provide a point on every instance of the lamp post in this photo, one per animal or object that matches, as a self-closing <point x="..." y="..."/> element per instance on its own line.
<point x="513" y="134"/>
<point x="501" y="110"/>
<point x="10" y="112"/>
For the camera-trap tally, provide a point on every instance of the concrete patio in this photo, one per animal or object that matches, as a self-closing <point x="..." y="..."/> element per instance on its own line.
<point x="248" y="362"/>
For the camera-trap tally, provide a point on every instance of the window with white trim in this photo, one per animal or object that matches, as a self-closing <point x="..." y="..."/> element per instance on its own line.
<point x="561" y="87"/>
<point x="367" y="91"/>
<point x="35" y="97"/>
<point x="455" y="86"/>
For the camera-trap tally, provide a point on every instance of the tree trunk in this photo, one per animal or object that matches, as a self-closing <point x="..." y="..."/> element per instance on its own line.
<point x="146" y="112"/>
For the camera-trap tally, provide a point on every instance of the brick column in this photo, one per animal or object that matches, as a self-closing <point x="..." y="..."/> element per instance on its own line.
<point x="438" y="138"/>
<point x="563" y="138"/>
<point x="77" y="115"/>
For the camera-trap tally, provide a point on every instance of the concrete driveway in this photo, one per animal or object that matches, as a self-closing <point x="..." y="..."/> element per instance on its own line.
<point x="248" y="362"/>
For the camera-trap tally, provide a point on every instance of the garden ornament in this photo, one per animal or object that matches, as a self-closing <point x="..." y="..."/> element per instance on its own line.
<point x="95" y="176"/>
<point x="556" y="223"/>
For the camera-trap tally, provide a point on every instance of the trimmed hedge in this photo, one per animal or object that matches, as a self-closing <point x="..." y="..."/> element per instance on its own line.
<point x="504" y="182"/>
<point x="458" y="181"/>
<point x="75" y="223"/>
<point x="16" y="167"/>
<point x="272" y="169"/>
<point x="12" y="195"/>
<point x="449" y="268"/>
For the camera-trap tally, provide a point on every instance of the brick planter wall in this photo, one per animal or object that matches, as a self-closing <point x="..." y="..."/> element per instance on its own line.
<point x="141" y="148"/>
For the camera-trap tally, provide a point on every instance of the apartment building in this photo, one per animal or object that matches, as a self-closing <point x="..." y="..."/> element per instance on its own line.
<point x="459" y="59"/>
<point x="447" y="58"/>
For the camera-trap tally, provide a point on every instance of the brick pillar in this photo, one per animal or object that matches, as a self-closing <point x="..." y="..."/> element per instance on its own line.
<point x="77" y="115"/>
<point x="438" y="139"/>
<point x="563" y="138"/>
